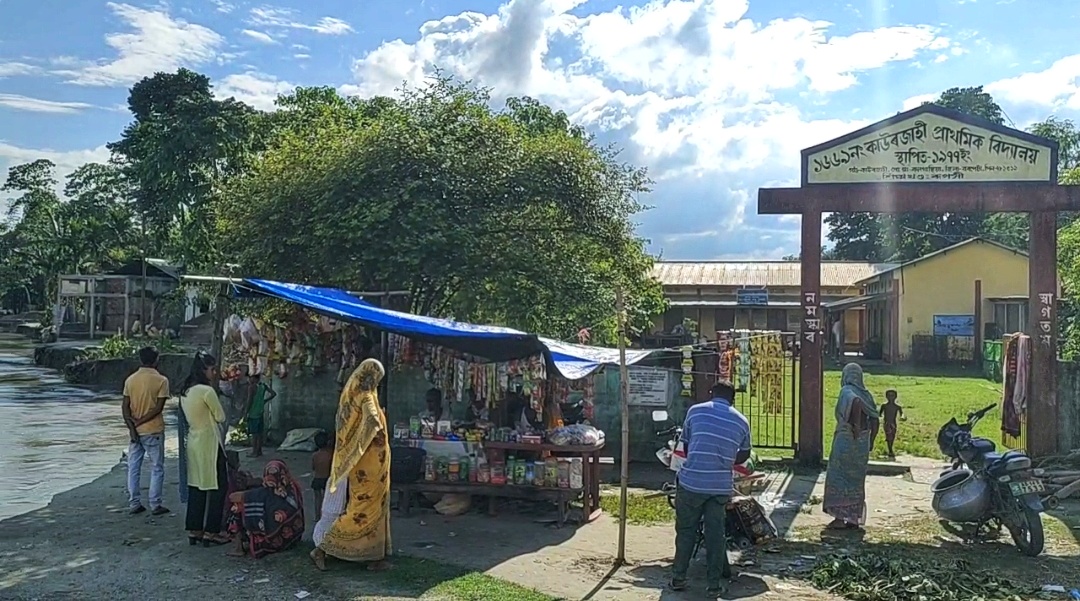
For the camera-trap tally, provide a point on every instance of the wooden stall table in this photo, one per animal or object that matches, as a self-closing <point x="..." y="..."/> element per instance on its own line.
<point x="590" y="468"/>
<point x="561" y="497"/>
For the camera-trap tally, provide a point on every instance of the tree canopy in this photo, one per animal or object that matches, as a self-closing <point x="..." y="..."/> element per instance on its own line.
<point x="512" y="216"/>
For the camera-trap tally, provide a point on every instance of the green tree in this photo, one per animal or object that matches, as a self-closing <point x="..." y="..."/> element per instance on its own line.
<point x="511" y="216"/>
<point x="45" y="235"/>
<point x="182" y="146"/>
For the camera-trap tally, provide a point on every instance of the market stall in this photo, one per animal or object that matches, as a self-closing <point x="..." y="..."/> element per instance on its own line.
<point x="518" y="383"/>
<point x="509" y="440"/>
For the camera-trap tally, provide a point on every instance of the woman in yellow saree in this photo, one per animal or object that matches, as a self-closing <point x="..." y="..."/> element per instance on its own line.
<point x="355" y="523"/>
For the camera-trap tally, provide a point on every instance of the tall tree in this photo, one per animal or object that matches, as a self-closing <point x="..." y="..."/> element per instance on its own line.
<point x="182" y="146"/>
<point x="511" y="216"/>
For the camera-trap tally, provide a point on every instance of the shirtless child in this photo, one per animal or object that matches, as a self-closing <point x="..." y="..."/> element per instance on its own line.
<point x="890" y="412"/>
<point x="321" y="461"/>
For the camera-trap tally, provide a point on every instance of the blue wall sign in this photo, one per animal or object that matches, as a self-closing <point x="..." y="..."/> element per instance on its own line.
<point x="752" y="297"/>
<point x="954" y="325"/>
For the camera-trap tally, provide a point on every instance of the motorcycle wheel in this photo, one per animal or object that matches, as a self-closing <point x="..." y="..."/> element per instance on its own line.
<point x="1027" y="532"/>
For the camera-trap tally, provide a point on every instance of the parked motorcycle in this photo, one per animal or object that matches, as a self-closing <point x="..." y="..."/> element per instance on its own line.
<point x="986" y="490"/>
<point x="738" y="530"/>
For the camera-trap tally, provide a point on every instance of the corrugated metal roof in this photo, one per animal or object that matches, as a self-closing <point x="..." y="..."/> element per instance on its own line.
<point x="946" y="250"/>
<point x="761" y="273"/>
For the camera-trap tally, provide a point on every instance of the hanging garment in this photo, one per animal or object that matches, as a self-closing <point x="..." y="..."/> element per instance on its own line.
<point x="742" y="366"/>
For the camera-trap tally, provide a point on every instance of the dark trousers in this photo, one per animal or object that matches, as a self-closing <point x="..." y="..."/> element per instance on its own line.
<point x="690" y="509"/>
<point x="206" y="508"/>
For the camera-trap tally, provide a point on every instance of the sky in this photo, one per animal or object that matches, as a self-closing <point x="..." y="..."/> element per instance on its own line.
<point x="715" y="97"/>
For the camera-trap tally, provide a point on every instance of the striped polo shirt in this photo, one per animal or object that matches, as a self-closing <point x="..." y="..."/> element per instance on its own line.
<point x="713" y="435"/>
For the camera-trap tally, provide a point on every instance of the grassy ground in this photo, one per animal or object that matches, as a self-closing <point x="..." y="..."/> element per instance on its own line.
<point x="432" y="580"/>
<point x="929" y="399"/>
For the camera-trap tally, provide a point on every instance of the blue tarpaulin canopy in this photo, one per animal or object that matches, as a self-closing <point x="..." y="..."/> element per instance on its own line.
<point x="495" y="343"/>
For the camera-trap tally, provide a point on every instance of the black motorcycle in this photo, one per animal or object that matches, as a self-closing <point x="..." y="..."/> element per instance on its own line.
<point x="986" y="490"/>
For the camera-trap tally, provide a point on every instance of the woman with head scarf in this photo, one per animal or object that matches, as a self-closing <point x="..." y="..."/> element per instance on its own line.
<point x="355" y="523"/>
<point x="269" y="518"/>
<point x="845" y="480"/>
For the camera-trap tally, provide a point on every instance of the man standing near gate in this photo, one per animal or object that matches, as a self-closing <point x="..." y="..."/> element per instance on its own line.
<point x="716" y="438"/>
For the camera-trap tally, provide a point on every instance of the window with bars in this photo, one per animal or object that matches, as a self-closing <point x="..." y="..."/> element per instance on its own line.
<point x="1011" y="316"/>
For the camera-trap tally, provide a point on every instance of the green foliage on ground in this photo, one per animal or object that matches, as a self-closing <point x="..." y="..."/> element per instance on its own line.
<point x="874" y="576"/>
<point x="121" y="347"/>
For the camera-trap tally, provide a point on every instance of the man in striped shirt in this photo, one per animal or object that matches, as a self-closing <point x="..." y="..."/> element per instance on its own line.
<point x="716" y="438"/>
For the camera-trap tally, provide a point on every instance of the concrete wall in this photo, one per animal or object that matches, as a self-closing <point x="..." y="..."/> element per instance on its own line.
<point x="945" y="285"/>
<point x="307" y="401"/>
<point x="1068" y="398"/>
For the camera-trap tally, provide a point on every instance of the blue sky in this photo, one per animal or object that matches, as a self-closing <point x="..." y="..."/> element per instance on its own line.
<point x="716" y="97"/>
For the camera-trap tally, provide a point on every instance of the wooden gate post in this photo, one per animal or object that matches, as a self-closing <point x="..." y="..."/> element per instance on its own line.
<point x="1042" y="413"/>
<point x="810" y="356"/>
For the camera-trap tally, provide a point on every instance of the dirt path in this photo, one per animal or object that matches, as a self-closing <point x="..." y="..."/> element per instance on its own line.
<point x="84" y="546"/>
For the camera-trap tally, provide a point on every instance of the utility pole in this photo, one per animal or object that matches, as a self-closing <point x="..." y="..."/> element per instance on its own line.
<point x="624" y="409"/>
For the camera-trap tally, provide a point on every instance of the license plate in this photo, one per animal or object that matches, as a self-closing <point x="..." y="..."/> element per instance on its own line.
<point x="1026" y="487"/>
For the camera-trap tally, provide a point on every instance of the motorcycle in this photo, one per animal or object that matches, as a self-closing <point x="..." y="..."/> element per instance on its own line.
<point x="740" y="536"/>
<point x="985" y="490"/>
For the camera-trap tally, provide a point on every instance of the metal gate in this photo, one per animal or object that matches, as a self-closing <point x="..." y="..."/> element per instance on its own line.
<point x="766" y="390"/>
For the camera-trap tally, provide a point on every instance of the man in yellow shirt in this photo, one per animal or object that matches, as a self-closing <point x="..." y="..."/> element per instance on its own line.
<point x="145" y="393"/>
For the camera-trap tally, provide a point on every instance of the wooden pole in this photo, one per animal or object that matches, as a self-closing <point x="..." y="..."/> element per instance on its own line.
<point x="624" y="409"/>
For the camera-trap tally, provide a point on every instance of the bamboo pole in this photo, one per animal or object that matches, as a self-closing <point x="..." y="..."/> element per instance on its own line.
<point x="624" y="406"/>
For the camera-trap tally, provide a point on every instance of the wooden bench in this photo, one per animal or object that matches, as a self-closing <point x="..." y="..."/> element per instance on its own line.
<point x="561" y="497"/>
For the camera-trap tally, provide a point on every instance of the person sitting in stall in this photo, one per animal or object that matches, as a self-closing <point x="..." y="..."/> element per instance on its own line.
<point x="433" y="399"/>
<point x="477" y="409"/>
<point x="521" y="414"/>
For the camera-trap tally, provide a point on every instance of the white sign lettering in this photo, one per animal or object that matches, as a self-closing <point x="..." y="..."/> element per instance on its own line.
<point x="648" y="386"/>
<point x="1046" y="339"/>
<point x="810" y="336"/>
<point x="1045" y="311"/>
<point x="810" y="311"/>
<point x="812" y="324"/>
<point x="1046" y="298"/>
<point x="1045" y="326"/>
<point x="809" y="298"/>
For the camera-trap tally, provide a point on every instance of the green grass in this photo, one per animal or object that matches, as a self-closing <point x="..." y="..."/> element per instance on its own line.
<point x="929" y="399"/>
<point x="433" y="580"/>
<point x="641" y="510"/>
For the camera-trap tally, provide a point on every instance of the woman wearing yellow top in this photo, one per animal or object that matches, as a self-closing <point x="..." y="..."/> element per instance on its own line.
<point x="206" y="468"/>
<point x="355" y="522"/>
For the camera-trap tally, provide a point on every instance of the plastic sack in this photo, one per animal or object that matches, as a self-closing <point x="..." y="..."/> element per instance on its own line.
<point x="454" y="504"/>
<point x="575" y="435"/>
<point x="300" y="440"/>
<point x="249" y="333"/>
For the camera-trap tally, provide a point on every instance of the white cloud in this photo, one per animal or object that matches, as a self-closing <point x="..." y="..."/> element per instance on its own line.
<point x="222" y="6"/>
<point x="257" y="89"/>
<point x="14" y="69"/>
<point x="259" y="36"/>
<point x="302" y="56"/>
<point x="267" y="16"/>
<point x="1055" y="88"/>
<point x="38" y="105"/>
<point x="919" y="100"/>
<point x="157" y="42"/>
<point x="693" y="89"/>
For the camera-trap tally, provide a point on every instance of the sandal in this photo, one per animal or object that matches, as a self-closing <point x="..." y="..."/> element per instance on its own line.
<point x="215" y="540"/>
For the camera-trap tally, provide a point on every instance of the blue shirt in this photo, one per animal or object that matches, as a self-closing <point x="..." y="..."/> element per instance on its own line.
<point x="713" y="435"/>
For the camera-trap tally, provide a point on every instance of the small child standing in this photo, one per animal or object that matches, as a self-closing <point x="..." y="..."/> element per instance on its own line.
<point x="321" y="461"/>
<point x="890" y="412"/>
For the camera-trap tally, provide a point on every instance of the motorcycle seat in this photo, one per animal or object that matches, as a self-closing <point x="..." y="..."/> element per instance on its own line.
<point x="982" y="447"/>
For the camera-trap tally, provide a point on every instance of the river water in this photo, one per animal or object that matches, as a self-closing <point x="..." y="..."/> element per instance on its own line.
<point x="53" y="436"/>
